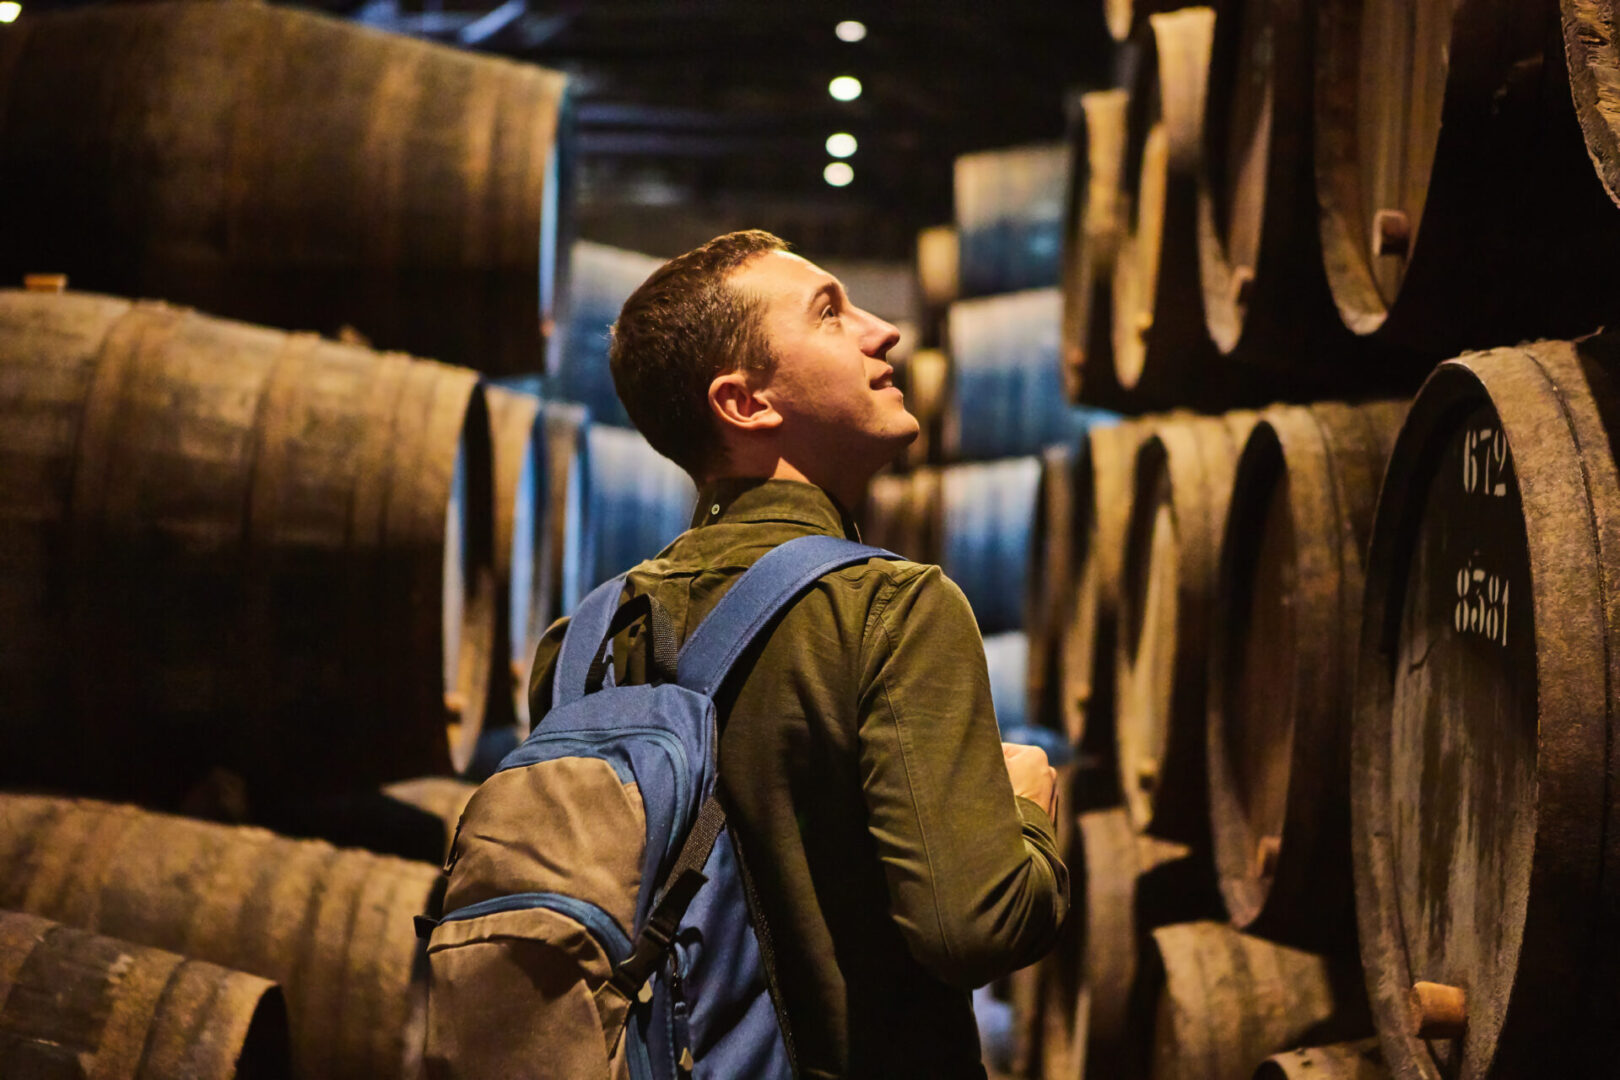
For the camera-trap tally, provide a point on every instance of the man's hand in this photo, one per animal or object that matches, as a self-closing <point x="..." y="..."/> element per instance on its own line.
<point x="1031" y="776"/>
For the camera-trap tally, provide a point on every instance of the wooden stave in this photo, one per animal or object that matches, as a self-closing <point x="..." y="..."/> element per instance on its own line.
<point x="1360" y="1060"/>
<point x="1130" y="884"/>
<point x="1103" y="478"/>
<point x="1183" y="478"/>
<point x="1338" y="452"/>
<point x="1502" y="137"/>
<point x="1542" y="397"/>
<point x="1092" y="233"/>
<point x="260" y="528"/>
<point x="348" y="962"/>
<point x="263" y="247"/>
<point x="37" y="450"/>
<point x="1287" y="322"/>
<point x="1273" y="996"/>
<point x="1051" y="593"/>
<point x="518" y="443"/>
<point x="564" y="425"/>
<point x="160" y="1014"/>
<point x="1162" y="354"/>
<point x="1590" y="59"/>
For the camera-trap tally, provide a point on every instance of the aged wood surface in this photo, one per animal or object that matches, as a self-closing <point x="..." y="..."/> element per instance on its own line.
<point x="1282" y="660"/>
<point x="332" y="926"/>
<point x="1484" y="705"/>
<point x="1182" y="486"/>
<point x="276" y="548"/>
<point x="77" y="1004"/>
<point x="287" y="168"/>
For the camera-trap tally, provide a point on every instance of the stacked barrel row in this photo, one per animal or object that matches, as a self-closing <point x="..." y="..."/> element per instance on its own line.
<point x="972" y="493"/>
<point x="1349" y="663"/>
<point x="248" y="574"/>
<point x="1360" y="724"/>
<point x="1325" y="200"/>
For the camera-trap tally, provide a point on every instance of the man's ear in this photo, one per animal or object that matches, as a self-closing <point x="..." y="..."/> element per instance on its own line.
<point x="740" y="404"/>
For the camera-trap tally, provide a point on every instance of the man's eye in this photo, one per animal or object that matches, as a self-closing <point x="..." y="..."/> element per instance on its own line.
<point x="829" y="312"/>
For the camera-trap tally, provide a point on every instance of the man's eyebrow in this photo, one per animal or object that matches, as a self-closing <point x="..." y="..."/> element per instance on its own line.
<point x="829" y="289"/>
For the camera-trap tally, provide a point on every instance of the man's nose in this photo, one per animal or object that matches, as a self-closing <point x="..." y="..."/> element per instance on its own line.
<point x="879" y="336"/>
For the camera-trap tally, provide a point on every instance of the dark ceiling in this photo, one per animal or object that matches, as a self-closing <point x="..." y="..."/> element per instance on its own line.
<point x="700" y="115"/>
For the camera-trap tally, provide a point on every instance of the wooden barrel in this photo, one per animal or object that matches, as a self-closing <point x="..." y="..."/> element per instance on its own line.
<point x="937" y="265"/>
<point x="1009" y="218"/>
<point x="903" y="514"/>
<point x="1485" y="831"/>
<point x="519" y="475"/>
<point x="332" y="926"/>
<point x="1226" y="1000"/>
<point x="1266" y="298"/>
<point x="282" y="167"/>
<point x="988" y="510"/>
<point x="1282" y="666"/>
<point x="1162" y="354"/>
<point x="562" y="527"/>
<point x="1050" y="598"/>
<point x="1456" y="207"/>
<point x="79" y="1004"/>
<point x="1103" y="479"/>
<point x="1594" y="74"/>
<point x="276" y="549"/>
<point x="1125" y="886"/>
<point x="1359" y="1060"/>
<point x="1182" y="485"/>
<point x="925" y="377"/>
<point x="1094" y="226"/>
<point x="1006" y="390"/>
<point x="601" y="279"/>
<point x="636" y="502"/>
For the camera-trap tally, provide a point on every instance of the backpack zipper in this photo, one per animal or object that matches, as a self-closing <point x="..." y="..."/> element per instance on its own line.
<point x="598" y="923"/>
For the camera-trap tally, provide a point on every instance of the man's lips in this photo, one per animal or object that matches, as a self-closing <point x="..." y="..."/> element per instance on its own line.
<point x="884" y="381"/>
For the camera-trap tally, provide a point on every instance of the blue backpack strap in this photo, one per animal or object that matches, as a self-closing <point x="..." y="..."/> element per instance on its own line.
<point x="586" y="630"/>
<point x="770" y="585"/>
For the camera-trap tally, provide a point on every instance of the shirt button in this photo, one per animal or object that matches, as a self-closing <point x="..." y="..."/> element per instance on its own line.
<point x="715" y="509"/>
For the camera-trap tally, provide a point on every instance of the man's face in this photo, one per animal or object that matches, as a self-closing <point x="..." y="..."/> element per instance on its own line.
<point x="831" y="384"/>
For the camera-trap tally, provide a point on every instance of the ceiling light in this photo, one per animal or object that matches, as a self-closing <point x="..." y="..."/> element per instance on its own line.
<point x="838" y="173"/>
<point x="9" y="10"/>
<point x="841" y="145"/>
<point x="850" y="30"/>
<point x="845" y="88"/>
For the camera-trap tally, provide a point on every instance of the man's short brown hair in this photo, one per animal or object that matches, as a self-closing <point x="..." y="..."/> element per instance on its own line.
<point x="681" y="329"/>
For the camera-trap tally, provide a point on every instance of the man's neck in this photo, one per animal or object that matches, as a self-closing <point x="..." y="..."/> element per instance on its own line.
<point x="783" y="469"/>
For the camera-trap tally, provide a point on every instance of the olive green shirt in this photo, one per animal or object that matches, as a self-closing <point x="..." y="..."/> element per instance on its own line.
<point x="862" y="771"/>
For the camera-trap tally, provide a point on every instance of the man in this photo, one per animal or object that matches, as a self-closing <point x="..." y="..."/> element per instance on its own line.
<point x="899" y="854"/>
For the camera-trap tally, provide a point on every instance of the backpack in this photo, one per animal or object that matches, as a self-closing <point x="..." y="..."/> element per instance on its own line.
<point x="599" y="922"/>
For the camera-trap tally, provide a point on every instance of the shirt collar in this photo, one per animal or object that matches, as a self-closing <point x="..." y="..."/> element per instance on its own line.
<point x="751" y="499"/>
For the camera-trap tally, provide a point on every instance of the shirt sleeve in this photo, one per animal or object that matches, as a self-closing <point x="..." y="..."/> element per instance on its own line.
<point x="975" y="881"/>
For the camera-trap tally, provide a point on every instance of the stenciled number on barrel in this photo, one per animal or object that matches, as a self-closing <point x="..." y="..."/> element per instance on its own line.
<point x="1482" y="604"/>
<point x="1485" y="461"/>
